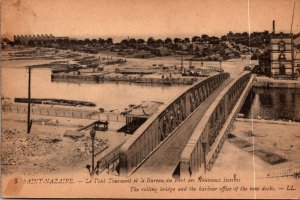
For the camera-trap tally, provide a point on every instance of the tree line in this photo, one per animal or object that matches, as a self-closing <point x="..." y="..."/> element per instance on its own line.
<point x="255" y="39"/>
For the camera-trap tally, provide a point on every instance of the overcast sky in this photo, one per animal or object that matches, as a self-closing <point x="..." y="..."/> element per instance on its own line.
<point x="143" y="18"/>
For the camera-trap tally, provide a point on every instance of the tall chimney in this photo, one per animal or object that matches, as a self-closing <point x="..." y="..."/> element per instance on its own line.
<point x="273" y="26"/>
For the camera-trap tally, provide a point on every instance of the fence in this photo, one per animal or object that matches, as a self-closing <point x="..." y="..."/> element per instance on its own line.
<point x="64" y="112"/>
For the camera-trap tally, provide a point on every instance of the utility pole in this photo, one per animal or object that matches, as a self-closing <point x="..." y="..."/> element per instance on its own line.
<point x="291" y="33"/>
<point x="29" y="122"/>
<point x="293" y="18"/>
<point x="204" y="143"/>
<point x="181" y="63"/>
<point x="91" y="168"/>
<point x="93" y="133"/>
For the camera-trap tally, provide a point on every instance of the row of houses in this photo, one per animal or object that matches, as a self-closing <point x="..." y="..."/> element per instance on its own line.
<point x="207" y="51"/>
<point x="221" y="50"/>
<point x="282" y="59"/>
<point x="34" y="39"/>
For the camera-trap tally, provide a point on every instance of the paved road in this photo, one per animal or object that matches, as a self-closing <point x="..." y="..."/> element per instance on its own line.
<point x="166" y="158"/>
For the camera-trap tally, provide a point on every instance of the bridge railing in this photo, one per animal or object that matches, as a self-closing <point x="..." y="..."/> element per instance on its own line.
<point x="162" y="124"/>
<point x="204" y="137"/>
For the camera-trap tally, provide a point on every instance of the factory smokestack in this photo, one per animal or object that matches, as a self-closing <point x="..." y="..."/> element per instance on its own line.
<point x="273" y="26"/>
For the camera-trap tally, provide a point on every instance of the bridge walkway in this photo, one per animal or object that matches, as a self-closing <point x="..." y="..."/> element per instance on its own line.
<point x="166" y="158"/>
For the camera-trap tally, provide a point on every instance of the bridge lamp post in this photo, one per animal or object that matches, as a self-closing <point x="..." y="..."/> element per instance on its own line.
<point x="92" y="168"/>
<point x="204" y="143"/>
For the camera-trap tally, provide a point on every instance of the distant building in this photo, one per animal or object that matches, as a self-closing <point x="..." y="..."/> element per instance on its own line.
<point x="35" y="39"/>
<point x="297" y="41"/>
<point x="297" y="54"/>
<point x="264" y="66"/>
<point x="161" y="51"/>
<point x="280" y="60"/>
<point x="282" y="55"/>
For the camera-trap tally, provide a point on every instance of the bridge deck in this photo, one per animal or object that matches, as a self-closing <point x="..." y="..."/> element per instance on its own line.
<point x="166" y="158"/>
<point x="214" y="127"/>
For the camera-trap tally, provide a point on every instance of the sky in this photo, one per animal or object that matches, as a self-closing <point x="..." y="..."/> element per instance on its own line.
<point x="145" y="18"/>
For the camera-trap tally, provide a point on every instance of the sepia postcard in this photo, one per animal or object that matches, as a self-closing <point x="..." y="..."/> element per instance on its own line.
<point x="150" y="99"/>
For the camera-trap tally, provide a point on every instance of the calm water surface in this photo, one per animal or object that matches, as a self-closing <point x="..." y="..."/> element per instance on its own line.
<point x="273" y="103"/>
<point x="109" y="95"/>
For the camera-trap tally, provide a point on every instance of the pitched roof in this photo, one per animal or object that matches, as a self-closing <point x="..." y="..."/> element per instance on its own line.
<point x="145" y="109"/>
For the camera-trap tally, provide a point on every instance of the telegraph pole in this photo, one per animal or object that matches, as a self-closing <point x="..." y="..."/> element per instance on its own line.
<point x="181" y="63"/>
<point x="291" y="33"/>
<point x="293" y="17"/>
<point x="93" y="134"/>
<point x="29" y="100"/>
<point x="204" y="144"/>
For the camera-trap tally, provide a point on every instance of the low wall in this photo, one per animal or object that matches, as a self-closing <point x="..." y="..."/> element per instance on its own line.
<point x="99" y="79"/>
<point x="63" y="112"/>
<point x="271" y="83"/>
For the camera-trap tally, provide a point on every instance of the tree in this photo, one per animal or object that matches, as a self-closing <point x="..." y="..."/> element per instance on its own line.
<point x="140" y="41"/>
<point x="230" y="34"/>
<point x="168" y="40"/>
<point x="124" y="43"/>
<point x="224" y="38"/>
<point x="187" y="40"/>
<point x="197" y="49"/>
<point x="159" y="43"/>
<point x="132" y="41"/>
<point x="80" y="42"/>
<point x="214" y="40"/>
<point x="73" y="42"/>
<point x="177" y="40"/>
<point x="7" y="40"/>
<point x="101" y="41"/>
<point x="191" y="49"/>
<point x="109" y="41"/>
<point x="87" y="41"/>
<point x="245" y="34"/>
<point x="196" y="39"/>
<point x="150" y="41"/>
<point x="205" y="37"/>
<point x="11" y="43"/>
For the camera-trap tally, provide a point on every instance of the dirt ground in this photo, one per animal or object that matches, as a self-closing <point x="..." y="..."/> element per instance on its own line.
<point x="269" y="137"/>
<point x="233" y="66"/>
<point x="45" y="150"/>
